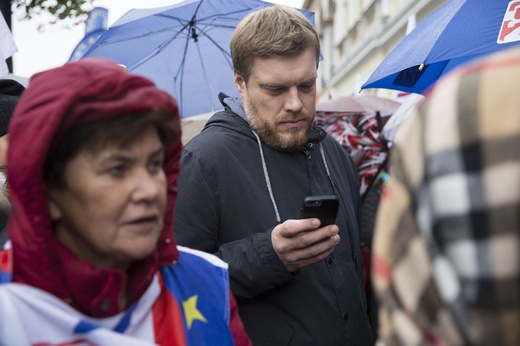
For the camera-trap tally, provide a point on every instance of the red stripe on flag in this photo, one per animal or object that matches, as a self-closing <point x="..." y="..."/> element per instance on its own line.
<point x="6" y="265"/>
<point x="403" y="94"/>
<point x="167" y="319"/>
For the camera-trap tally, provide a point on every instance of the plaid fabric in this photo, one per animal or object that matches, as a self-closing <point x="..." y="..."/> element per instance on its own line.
<point x="358" y="134"/>
<point x="446" y="263"/>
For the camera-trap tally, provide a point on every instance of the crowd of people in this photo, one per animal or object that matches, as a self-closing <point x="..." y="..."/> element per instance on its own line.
<point x="119" y="235"/>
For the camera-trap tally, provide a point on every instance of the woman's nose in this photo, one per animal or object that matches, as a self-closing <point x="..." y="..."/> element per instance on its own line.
<point x="148" y="187"/>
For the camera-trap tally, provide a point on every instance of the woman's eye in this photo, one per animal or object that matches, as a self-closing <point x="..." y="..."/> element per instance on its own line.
<point x="156" y="166"/>
<point x="116" y="171"/>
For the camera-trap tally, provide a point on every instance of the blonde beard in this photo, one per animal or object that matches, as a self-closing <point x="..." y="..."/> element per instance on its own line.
<point x="270" y="136"/>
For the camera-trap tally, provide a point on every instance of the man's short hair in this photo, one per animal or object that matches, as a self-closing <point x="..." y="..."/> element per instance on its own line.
<point x="275" y="31"/>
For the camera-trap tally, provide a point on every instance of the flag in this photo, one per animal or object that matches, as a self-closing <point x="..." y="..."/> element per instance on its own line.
<point x="187" y="303"/>
<point x="96" y="24"/>
<point x="7" y="46"/>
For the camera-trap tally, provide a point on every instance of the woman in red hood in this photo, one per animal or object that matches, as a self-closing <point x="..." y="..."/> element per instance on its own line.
<point x="93" y="165"/>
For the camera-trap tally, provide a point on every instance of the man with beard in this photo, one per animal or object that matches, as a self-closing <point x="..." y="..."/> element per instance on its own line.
<point x="242" y="183"/>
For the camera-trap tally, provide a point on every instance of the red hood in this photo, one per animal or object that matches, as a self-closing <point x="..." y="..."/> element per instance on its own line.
<point x="54" y="102"/>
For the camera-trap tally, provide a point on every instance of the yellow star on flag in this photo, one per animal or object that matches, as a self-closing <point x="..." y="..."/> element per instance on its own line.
<point x="191" y="312"/>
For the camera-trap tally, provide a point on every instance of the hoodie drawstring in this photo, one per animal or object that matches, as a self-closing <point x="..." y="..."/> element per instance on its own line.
<point x="267" y="180"/>
<point x="343" y="207"/>
<point x="334" y="187"/>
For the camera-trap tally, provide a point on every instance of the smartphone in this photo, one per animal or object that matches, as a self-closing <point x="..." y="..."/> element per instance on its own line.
<point x="323" y="207"/>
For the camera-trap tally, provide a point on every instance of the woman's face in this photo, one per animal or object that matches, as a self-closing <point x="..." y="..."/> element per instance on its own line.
<point x="111" y="211"/>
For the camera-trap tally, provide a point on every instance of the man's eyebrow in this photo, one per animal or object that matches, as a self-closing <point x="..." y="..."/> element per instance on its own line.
<point x="310" y="80"/>
<point x="282" y="85"/>
<point x="270" y="85"/>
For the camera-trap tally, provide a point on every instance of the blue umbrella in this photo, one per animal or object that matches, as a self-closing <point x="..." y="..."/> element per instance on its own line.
<point x="183" y="48"/>
<point x="458" y="31"/>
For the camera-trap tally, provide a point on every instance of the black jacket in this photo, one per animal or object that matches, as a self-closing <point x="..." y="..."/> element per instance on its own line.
<point x="4" y="214"/>
<point x="224" y="207"/>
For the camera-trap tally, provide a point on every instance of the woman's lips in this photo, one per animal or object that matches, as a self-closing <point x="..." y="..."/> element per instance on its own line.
<point x="143" y="224"/>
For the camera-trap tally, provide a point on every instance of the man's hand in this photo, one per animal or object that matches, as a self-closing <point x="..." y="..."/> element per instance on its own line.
<point x="299" y="243"/>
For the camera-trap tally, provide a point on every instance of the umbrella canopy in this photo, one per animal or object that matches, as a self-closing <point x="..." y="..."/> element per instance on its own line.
<point x="183" y="48"/>
<point x="358" y="104"/>
<point x="356" y="123"/>
<point x="359" y="135"/>
<point x="458" y="31"/>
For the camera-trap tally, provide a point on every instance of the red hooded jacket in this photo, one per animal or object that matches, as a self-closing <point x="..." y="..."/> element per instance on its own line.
<point x="54" y="102"/>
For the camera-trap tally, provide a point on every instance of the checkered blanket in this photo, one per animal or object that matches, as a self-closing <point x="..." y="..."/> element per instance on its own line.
<point x="446" y="262"/>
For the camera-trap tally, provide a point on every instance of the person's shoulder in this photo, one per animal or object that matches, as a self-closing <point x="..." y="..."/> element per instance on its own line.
<point x="331" y="143"/>
<point x="215" y="131"/>
<point x="201" y="255"/>
<point x="218" y="137"/>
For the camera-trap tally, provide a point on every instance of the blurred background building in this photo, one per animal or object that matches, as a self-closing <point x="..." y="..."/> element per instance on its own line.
<point x="356" y="35"/>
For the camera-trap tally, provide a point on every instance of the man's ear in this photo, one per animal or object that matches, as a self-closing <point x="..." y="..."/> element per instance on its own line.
<point x="240" y="83"/>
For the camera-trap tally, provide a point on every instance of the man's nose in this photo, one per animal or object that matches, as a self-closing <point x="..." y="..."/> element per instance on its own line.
<point x="293" y="101"/>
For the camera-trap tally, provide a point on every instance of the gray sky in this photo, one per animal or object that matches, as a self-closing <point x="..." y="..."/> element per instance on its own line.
<point x="38" y="51"/>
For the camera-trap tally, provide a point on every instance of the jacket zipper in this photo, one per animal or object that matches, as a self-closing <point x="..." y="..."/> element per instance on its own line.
<point x="307" y="153"/>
